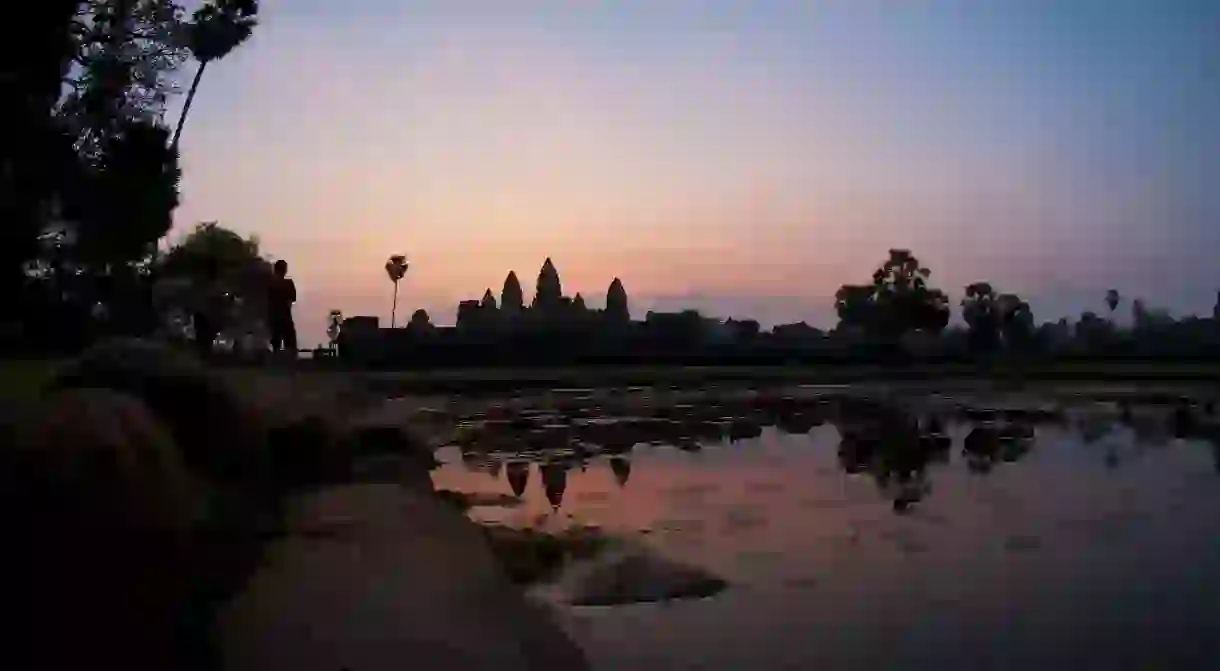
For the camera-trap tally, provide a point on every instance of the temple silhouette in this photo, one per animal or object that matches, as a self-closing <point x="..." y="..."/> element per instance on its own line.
<point x="551" y="328"/>
<point x="550" y="309"/>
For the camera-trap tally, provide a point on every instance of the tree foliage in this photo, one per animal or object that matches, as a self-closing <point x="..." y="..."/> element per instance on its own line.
<point x="982" y="316"/>
<point x="396" y="267"/>
<point x="88" y="98"/>
<point x="91" y="186"/>
<point x="242" y="271"/>
<point x="898" y="300"/>
<point x="855" y="307"/>
<point x="996" y="320"/>
<point x="124" y="54"/>
<point x="1016" y="321"/>
<point x="334" y="326"/>
<point x="420" y="321"/>
<point x="217" y="28"/>
<point x="33" y="164"/>
<point x="123" y="205"/>
<point x="1092" y="331"/>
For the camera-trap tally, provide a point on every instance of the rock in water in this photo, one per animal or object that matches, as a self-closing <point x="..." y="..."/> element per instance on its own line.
<point x="636" y="575"/>
<point x="399" y="433"/>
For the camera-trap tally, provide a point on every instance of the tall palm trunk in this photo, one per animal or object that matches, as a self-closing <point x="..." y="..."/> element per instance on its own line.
<point x="394" y="306"/>
<point x="186" y="107"/>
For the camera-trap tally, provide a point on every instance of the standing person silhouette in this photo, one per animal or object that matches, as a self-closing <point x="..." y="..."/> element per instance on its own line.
<point x="280" y="296"/>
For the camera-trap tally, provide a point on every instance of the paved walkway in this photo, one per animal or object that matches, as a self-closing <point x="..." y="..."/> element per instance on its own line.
<point x="381" y="577"/>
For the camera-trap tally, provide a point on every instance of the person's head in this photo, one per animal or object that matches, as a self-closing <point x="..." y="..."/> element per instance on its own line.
<point x="281" y="268"/>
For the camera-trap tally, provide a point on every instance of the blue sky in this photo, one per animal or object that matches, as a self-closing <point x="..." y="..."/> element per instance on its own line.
<point x="750" y="156"/>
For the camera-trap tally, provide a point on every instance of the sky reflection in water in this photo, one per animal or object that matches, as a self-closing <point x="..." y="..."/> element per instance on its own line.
<point x="874" y="537"/>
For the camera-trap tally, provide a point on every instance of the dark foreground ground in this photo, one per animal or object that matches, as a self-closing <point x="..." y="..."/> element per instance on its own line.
<point x="17" y="377"/>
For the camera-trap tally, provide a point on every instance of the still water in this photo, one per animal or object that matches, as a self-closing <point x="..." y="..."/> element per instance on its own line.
<point x="865" y="535"/>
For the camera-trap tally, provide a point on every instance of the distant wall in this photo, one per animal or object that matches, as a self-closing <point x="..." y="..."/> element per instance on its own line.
<point x="451" y="348"/>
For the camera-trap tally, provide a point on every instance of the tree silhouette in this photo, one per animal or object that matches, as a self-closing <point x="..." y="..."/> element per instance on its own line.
<point x="395" y="269"/>
<point x="981" y="314"/>
<point x="893" y="447"/>
<point x="996" y="318"/>
<point x="512" y="299"/>
<point x="36" y="168"/>
<point x="897" y="302"/>
<point x="93" y="173"/>
<point x="243" y="273"/>
<point x="1151" y="322"/>
<point x="334" y="324"/>
<point x="125" y="202"/>
<point x="744" y="330"/>
<point x="1091" y="330"/>
<point x="906" y="301"/>
<point x="218" y="28"/>
<point x="1016" y="320"/>
<point x="420" y="321"/>
<point x="1112" y="300"/>
<point x="120" y="68"/>
<point x="37" y="78"/>
<point x="1139" y="314"/>
<point x="855" y="307"/>
<point x="987" y="446"/>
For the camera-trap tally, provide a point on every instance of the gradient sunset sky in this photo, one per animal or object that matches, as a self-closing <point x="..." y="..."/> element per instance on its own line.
<point x="744" y="158"/>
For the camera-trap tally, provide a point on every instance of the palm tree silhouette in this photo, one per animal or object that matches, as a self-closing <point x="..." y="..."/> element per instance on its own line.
<point x="1112" y="300"/>
<point x="395" y="268"/>
<point x="218" y="28"/>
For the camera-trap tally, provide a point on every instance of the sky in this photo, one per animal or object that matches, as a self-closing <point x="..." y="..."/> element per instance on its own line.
<point x="742" y="158"/>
